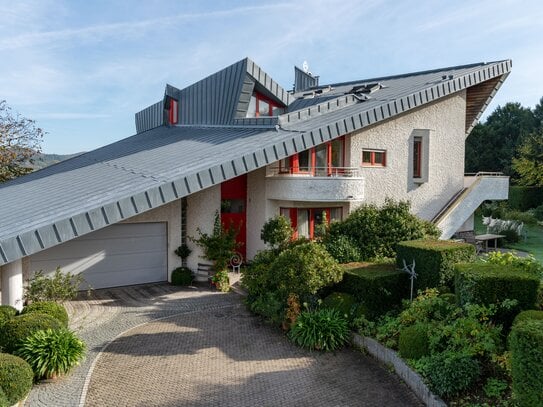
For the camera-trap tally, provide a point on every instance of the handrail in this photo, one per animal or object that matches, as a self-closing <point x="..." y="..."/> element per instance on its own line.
<point x="348" y="172"/>
<point x="484" y="173"/>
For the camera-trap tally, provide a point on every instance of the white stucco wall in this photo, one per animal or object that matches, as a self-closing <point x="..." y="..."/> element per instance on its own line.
<point x="258" y="210"/>
<point x="307" y="188"/>
<point x="201" y="209"/>
<point x="445" y="121"/>
<point x="171" y="214"/>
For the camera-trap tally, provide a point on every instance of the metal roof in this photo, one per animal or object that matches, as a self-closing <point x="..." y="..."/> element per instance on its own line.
<point x="152" y="168"/>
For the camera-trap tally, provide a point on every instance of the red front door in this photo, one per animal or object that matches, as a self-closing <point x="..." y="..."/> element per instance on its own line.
<point x="234" y="208"/>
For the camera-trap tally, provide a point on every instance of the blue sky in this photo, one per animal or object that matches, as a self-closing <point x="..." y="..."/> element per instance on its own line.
<point x="83" y="68"/>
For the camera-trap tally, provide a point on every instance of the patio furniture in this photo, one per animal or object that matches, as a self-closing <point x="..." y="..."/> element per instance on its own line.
<point x="235" y="262"/>
<point x="487" y="237"/>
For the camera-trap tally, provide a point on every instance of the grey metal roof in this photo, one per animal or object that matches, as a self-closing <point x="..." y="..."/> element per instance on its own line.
<point x="155" y="167"/>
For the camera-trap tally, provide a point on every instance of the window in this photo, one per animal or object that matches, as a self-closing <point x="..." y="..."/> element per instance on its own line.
<point x="417" y="157"/>
<point x="308" y="222"/>
<point x="173" y="112"/>
<point x="261" y="106"/>
<point x="324" y="160"/>
<point x="232" y="206"/>
<point x="374" y="158"/>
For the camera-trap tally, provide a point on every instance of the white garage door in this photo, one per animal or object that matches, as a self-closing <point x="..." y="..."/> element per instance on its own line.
<point x="123" y="254"/>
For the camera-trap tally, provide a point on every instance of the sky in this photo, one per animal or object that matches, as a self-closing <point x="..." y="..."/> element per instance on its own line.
<point x="82" y="69"/>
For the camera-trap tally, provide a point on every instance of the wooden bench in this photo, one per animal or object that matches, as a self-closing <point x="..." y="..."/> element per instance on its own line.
<point x="204" y="272"/>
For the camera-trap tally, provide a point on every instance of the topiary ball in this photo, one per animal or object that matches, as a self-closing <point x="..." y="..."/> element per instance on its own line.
<point x="413" y="342"/>
<point x="21" y="326"/>
<point x="182" y="276"/>
<point x="51" y="308"/>
<point x="16" y="378"/>
<point x="528" y="315"/>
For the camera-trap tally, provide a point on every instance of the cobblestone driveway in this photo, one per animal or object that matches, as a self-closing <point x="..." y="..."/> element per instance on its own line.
<point x="206" y="350"/>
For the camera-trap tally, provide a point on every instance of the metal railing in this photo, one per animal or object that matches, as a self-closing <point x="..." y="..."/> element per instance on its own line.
<point x="347" y="172"/>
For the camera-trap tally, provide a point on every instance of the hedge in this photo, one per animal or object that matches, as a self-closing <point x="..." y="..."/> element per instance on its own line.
<point x="526" y="345"/>
<point x="434" y="260"/>
<point x="379" y="287"/>
<point x="528" y="315"/>
<point x="18" y="328"/>
<point x="524" y="198"/>
<point x="16" y="378"/>
<point x="51" y="308"/>
<point x="182" y="276"/>
<point x="487" y="283"/>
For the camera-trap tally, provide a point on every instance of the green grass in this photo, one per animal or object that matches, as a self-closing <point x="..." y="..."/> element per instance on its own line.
<point x="533" y="243"/>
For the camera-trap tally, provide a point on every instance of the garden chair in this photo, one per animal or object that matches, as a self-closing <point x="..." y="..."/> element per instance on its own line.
<point x="235" y="262"/>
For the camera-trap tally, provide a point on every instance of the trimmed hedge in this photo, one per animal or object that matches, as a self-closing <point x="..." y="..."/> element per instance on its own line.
<point x="529" y="315"/>
<point x="526" y="345"/>
<point x="341" y="302"/>
<point x="16" y="378"/>
<point x="524" y="198"/>
<point x="413" y="342"/>
<point x="182" y="276"/>
<point x="486" y="284"/>
<point x="6" y="313"/>
<point x="434" y="260"/>
<point x="51" y="308"/>
<point x="18" y="328"/>
<point x="378" y="287"/>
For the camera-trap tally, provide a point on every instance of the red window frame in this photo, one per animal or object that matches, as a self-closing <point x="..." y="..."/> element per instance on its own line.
<point x="173" y="112"/>
<point x="372" y="162"/>
<point x="293" y="215"/>
<point x="417" y="157"/>
<point x="294" y="161"/>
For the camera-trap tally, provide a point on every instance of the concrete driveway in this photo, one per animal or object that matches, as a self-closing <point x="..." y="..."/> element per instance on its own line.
<point x="158" y="345"/>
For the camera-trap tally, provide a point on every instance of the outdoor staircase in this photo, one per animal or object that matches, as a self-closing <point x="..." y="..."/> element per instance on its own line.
<point x="477" y="189"/>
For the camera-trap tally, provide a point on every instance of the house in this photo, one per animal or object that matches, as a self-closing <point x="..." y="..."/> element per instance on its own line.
<point x="238" y="143"/>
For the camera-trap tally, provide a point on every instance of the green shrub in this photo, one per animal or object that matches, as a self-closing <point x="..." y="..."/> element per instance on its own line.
<point x="183" y="251"/>
<point x="528" y="315"/>
<point x="379" y="287"/>
<point x="527" y="217"/>
<point x="449" y="297"/>
<point x="524" y="198"/>
<point x="6" y="313"/>
<point x="256" y="278"/>
<point x="528" y="264"/>
<point x="342" y="248"/>
<point x="16" y="378"/>
<point x="50" y="308"/>
<point x="324" y="329"/>
<point x="413" y="341"/>
<point x="510" y="235"/>
<point x="18" y="328"/>
<point x="376" y="231"/>
<point x="277" y="232"/>
<point x="428" y="306"/>
<point x="51" y="352"/>
<point x="269" y="305"/>
<point x="526" y="344"/>
<point x="450" y="373"/>
<point x="342" y="302"/>
<point x="60" y="287"/>
<point x="303" y="270"/>
<point x="182" y="276"/>
<point x="4" y="402"/>
<point x="487" y="283"/>
<point x="221" y="281"/>
<point x="434" y="260"/>
<point x="538" y="212"/>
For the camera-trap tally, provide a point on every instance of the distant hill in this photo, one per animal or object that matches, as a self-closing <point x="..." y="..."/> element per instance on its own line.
<point x="45" y="160"/>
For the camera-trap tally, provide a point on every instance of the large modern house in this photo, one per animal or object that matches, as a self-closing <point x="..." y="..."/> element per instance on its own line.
<point x="238" y="144"/>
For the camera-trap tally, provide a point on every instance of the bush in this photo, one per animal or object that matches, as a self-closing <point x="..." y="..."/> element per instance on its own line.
<point x="434" y="260"/>
<point x="20" y="327"/>
<point x="324" y="329"/>
<point x="413" y="341"/>
<point x="182" y="276"/>
<point x="256" y="278"/>
<point x="16" y="378"/>
<point x="528" y="264"/>
<point x="524" y="198"/>
<point x="221" y="280"/>
<point x="6" y="312"/>
<point x="277" y="232"/>
<point x="270" y="305"/>
<point x="376" y="231"/>
<point x="528" y="315"/>
<point x="538" y="213"/>
<point x="342" y="248"/>
<point x="379" y="287"/>
<point x="50" y="308"/>
<point x="342" y="302"/>
<point x="487" y="283"/>
<point x="526" y="344"/>
<point x="60" y="287"/>
<point x="450" y="373"/>
<point x="527" y="217"/>
<point x="51" y="352"/>
<point x="303" y="270"/>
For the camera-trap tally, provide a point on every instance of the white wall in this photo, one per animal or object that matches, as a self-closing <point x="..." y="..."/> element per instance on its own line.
<point x="446" y="121"/>
<point x="201" y="209"/>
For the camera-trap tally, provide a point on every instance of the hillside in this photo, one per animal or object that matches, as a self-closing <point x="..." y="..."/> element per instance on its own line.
<point x="45" y="160"/>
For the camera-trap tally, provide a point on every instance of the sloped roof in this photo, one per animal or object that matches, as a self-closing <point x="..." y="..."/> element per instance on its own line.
<point x="155" y="167"/>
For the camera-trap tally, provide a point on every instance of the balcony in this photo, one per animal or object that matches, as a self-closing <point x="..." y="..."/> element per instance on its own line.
<point x="338" y="184"/>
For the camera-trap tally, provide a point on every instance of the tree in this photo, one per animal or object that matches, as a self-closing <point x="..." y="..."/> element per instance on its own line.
<point x="529" y="164"/>
<point x="20" y="141"/>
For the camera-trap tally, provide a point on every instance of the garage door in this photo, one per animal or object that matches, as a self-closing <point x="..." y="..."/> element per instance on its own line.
<point x="123" y="254"/>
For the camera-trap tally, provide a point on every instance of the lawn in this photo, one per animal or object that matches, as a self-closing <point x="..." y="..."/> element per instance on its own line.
<point x="533" y="243"/>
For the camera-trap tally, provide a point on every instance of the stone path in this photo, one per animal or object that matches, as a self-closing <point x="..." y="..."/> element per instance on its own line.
<point x="206" y="350"/>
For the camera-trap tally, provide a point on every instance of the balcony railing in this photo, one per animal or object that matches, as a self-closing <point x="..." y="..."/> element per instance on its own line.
<point x="349" y="172"/>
